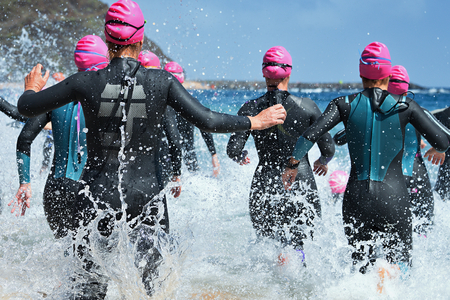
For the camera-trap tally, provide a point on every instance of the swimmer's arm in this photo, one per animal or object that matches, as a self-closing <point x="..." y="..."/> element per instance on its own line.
<point x="330" y="118"/>
<point x="237" y="141"/>
<point x="205" y="119"/>
<point x="11" y="110"/>
<point x="174" y="140"/>
<point x="34" y="102"/>
<point x="429" y="127"/>
<point x="23" y="150"/>
<point x="340" y="138"/>
<point x="325" y="143"/>
<point x="209" y="141"/>
<point x="22" y="197"/>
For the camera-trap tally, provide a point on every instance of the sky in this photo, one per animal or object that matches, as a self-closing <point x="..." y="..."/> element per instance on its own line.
<point x="215" y="40"/>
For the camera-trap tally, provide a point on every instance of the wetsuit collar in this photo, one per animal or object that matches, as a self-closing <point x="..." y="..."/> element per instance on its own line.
<point x="276" y="97"/>
<point x="382" y="101"/>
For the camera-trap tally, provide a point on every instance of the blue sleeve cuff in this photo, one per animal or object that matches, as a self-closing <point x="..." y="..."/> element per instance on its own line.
<point x="23" y="166"/>
<point x="301" y="148"/>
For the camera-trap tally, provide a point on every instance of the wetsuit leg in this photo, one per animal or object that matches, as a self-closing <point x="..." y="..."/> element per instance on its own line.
<point x="377" y="214"/>
<point x="153" y="218"/>
<point x="442" y="186"/>
<point x="59" y="200"/>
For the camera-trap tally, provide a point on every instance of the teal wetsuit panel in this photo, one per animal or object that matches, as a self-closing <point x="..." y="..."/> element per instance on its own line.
<point x="410" y="150"/>
<point x="374" y="138"/>
<point x="64" y="120"/>
<point x="359" y="129"/>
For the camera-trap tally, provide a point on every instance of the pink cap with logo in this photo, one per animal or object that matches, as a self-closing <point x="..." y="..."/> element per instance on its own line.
<point x="149" y="60"/>
<point x="375" y="61"/>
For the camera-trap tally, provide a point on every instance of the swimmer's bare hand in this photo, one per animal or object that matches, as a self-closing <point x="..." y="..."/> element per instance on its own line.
<point x="34" y="80"/>
<point x="288" y="177"/>
<point x="435" y="157"/>
<point x="320" y="169"/>
<point x="176" y="190"/>
<point x="22" y="197"/>
<point x="269" y="117"/>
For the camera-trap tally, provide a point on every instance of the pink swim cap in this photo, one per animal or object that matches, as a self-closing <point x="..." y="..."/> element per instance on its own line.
<point x="149" y="60"/>
<point x="375" y="61"/>
<point x="399" y="82"/>
<point x="124" y="23"/>
<point x="338" y="181"/>
<point x="277" y="63"/>
<point x="176" y="70"/>
<point x="91" y="54"/>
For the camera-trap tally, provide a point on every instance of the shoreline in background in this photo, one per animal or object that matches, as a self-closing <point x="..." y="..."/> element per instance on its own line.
<point x="258" y="85"/>
<point x="249" y="85"/>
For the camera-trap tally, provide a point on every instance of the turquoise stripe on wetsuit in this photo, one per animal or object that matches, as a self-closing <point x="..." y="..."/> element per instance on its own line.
<point x="64" y="123"/>
<point x="410" y="150"/>
<point x="383" y="131"/>
<point x="66" y="140"/>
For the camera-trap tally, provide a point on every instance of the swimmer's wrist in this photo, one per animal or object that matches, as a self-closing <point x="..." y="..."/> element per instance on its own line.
<point x="292" y="163"/>
<point x="324" y="160"/>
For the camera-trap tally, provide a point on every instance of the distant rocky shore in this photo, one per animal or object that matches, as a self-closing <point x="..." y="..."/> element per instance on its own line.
<point x="257" y="85"/>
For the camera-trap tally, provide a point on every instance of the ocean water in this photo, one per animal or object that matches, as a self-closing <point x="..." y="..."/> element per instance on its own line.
<point x="212" y="251"/>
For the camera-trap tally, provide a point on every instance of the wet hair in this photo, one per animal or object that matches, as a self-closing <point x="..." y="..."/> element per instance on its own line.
<point x="114" y="49"/>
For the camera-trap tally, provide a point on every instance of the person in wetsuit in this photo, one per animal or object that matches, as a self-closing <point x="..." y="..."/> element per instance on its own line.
<point x="68" y="124"/>
<point x="186" y="130"/>
<point x="376" y="204"/>
<point x="123" y="106"/>
<point x="272" y="209"/>
<point x="170" y="148"/>
<point x="414" y="169"/>
<point x="442" y="186"/>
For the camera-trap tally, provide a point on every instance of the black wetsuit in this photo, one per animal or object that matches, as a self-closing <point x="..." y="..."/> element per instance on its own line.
<point x="376" y="202"/>
<point x="170" y="149"/>
<point x="272" y="209"/>
<point x="144" y="102"/>
<point x="442" y="186"/>
<point x="186" y="130"/>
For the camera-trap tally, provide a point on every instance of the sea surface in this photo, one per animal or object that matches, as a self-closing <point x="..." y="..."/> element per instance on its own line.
<point x="212" y="251"/>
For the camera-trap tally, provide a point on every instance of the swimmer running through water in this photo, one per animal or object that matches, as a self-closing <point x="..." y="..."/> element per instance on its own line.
<point x="125" y="87"/>
<point x="186" y="130"/>
<point x="272" y="209"/>
<point x="376" y="205"/>
<point x="68" y="122"/>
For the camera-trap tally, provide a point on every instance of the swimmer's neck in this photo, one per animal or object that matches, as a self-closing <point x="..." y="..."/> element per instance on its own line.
<point x="277" y="84"/>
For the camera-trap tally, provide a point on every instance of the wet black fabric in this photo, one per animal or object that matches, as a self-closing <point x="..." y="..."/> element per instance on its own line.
<point x="186" y="130"/>
<point x="139" y="135"/>
<point x="442" y="185"/>
<point x="272" y="208"/>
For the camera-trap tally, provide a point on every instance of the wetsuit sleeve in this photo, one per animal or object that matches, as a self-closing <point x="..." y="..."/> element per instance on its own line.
<point x="330" y="118"/>
<point x="32" y="104"/>
<point x="340" y="138"/>
<point x="429" y="127"/>
<point x="325" y="143"/>
<point x="209" y="141"/>
<point x="203" y="118"/>
<point x="237" y="142"/>
<point x="23" y="153"/>
<point x="174" y="140"/>
<point x="11" y="111"/>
